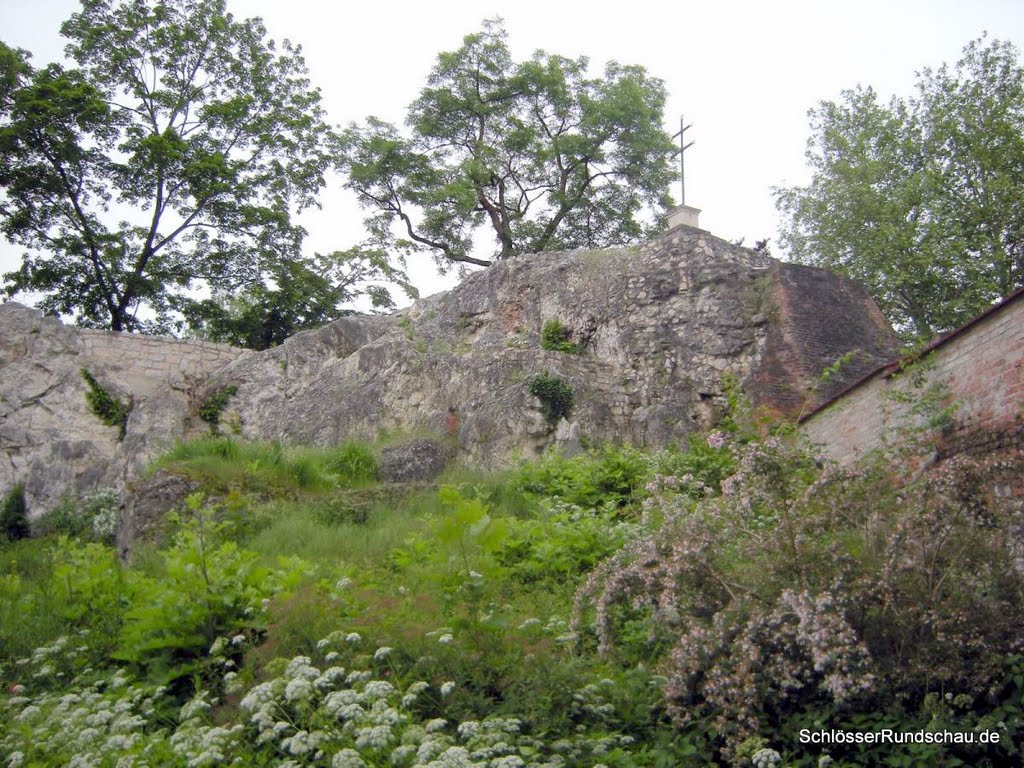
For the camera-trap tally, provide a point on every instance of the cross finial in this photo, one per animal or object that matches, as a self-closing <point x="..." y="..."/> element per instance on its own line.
<point x="683" y="127"/>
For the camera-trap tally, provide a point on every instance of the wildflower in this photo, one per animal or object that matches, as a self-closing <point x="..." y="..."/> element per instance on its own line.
<point x="765" y="758"/>
<point x="353" y="638"/>
<point x="298" y="689"/>
<point x="347" y="758"/>
<point x="382" y="653"/>
<point x="231" y="683"/>
<point x="376" y="737"/>
<point x="446" y="639"/>
<point x="343" y="583"/>
<point x="330" y="677"/>
<point x="401" y="755"/>
<point x="447" y="688"/>
<point x="469" y="729"/>
<point x="195" y="707"/>
<point x="28" y="713"/>
<point x="301" y="743"/>
<point x="716" y="440"/>
<point x="258" y="696"/>
<point x="435" y="725"/>
<point x="377" y="689"/>
<point x="331" y="657"/>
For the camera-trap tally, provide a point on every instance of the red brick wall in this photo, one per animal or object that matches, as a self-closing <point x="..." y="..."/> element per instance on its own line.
<point x="980" y="366"/>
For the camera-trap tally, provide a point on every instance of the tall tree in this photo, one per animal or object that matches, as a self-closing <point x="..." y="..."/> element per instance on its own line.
<point x="538" y="152"/>
<point x="175" y="153"/>
<point x="303" y="295"/>
<point x="922" y="199"/>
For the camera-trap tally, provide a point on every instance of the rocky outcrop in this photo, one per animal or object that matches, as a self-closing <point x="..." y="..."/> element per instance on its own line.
<point x="417" y="460"/>
<point x="49" y="437"/>
<point x="657" y="328"/>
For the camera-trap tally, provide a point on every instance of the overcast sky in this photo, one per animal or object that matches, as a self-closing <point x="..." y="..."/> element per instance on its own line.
<point x="744" y="73"/>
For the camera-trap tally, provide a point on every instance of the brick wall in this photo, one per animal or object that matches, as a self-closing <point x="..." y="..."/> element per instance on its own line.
<point x="981" y="369"/>
<point x="145" y="362"/>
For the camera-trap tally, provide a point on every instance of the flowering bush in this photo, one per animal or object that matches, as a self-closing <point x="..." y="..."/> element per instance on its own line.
<point x="307" y="715"/>
<point x="807" y="587"/>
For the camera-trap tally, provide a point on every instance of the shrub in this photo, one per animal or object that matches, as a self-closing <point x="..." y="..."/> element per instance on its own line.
<point x="807" y="588"/>
<point x="210" y="411"/>
<point x="14" y="514"/>
<point x="208" y="588"/>
<point x="91" y="518"/>
<point x="555" y="395"/>
<point x="611" y="476"/>
<point x="555" y="337"/>
<point x="106" y="407"/>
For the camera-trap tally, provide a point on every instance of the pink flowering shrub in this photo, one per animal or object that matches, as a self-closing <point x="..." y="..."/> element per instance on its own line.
<point x="808" y="587"/>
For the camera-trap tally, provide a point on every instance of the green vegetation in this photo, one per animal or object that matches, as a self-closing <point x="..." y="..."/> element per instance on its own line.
<point x="14" y="514"/>
<point x="693" y="606"/>
<point x="211" y="410"/>
<point x="106" y="407"/>
<point x="555" y="395"/>
<point x="91" y="518"/>
<point x="918" y="199"/>
<point x="555" y="337"/>
<point x="559" y="159"/>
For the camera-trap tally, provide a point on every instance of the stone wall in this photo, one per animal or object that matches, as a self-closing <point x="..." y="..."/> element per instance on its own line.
<point x="979" y="367"/>
<point x="147" y="362"/>
<point x="49" y="438"/>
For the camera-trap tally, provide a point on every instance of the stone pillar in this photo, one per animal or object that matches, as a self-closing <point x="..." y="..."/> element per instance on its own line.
<point x="683" y="215"/>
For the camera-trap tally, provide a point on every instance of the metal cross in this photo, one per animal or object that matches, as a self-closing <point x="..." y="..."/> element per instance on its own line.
<point x="682" y="157"/>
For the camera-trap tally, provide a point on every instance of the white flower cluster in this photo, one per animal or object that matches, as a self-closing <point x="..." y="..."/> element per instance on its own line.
<point x="305" y="716"/>
<point x="82" y="727"/>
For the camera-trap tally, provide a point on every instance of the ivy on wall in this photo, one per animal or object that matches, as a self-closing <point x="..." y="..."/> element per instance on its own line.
<point x="107" y="408"/>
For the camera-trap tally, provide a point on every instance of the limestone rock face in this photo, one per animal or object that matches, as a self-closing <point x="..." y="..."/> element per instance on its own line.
<point x="658" y="329"/>
<point x="418" y="460"/>
<point x="145" y="505"/>
<point x="51" y="440"/>
<point x="49" y="437"/>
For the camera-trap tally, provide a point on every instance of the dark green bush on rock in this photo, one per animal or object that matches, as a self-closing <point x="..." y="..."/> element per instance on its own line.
<point x="210" y="411"/>
<point x="107" y="408"/>
<point x="555" y="395"/>
<point x="14" y="514"/>
<point x="554" y="337"/>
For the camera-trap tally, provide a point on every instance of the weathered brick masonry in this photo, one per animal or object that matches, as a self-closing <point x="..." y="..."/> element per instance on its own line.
<point x="147" y="362"/>
<point x="981" y="366"/>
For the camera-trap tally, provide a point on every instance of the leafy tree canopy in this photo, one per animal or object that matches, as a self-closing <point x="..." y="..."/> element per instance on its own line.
<point x="920" y="199"/>
<point x="304" y="295"/>
<point x="543" y="155"/>
<point x="175" y="153"/>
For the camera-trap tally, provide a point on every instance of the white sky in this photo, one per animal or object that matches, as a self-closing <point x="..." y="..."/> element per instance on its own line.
<point x="743" y="72"/>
